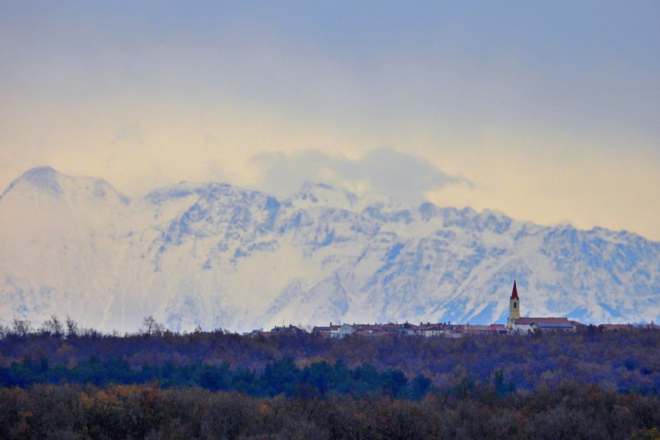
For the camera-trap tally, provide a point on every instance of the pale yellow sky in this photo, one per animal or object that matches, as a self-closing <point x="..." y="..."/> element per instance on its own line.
<point x="518" y="173"/>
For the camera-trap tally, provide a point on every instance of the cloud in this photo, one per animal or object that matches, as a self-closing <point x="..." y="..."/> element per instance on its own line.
<point x="402" y="176"/>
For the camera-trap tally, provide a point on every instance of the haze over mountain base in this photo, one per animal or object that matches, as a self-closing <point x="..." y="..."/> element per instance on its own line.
<point x="220" y="256"/>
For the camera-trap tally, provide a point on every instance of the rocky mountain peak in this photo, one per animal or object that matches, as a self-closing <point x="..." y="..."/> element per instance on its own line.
<point x="218" y="255"/>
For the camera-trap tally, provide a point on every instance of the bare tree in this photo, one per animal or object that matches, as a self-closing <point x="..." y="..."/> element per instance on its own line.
<point x="22" y="327"/>
<point x="159" y="329"/>
<point x="53" y="326"/>
<point x="152" y="327"/>
<point x="72" y="328"/>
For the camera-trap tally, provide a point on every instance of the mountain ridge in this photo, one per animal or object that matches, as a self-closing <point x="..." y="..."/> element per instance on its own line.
<point x="218" y="255"/>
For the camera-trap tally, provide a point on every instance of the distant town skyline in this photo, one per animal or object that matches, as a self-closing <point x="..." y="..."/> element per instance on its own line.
<point x="548" y="112"/>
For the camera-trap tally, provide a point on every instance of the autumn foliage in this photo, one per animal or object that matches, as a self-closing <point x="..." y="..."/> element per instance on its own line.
<point x="219" y="385"/>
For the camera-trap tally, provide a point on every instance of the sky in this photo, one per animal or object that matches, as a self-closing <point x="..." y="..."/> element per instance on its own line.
<point x="548" y="111"/>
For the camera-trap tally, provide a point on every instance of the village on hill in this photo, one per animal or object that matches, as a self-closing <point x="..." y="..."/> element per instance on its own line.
<point x="515" y="325"/>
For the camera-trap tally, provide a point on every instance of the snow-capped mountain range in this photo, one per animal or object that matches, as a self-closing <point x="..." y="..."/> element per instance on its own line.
<point x="220" y="256"/>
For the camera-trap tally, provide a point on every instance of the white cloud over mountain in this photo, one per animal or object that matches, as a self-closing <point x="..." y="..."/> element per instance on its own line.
<point x="402" y="176"/>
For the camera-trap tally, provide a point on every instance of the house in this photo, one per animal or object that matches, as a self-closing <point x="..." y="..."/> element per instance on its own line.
<point x="430" y="330"/>
<point x="392" y="327"/>
<point x="335" y="331"/>
<point x="498" y="329"/>
<point x="615" y="327"/>
<point x="409" y="329"/>
<point x="343" y="331"/>
<point x="371" y="330"/>
<point x="290" y="330"/>
<point x="326" y="332"/>
<point x="477" y="329"/>
<point x="529" y="325"/>
<point x="253" y="333"/>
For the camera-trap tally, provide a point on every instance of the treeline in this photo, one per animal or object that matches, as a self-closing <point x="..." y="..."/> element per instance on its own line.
<point x="61" y="381"/>
<point x="568" y="411"/>
<point x="278" y="377"/>
<point x="625" y="361"/>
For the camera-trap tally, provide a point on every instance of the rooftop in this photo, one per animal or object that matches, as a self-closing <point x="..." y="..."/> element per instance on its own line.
<point x="539" y="320"/>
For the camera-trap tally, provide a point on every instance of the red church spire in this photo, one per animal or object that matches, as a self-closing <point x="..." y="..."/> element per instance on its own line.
<point x="514" y="294"/>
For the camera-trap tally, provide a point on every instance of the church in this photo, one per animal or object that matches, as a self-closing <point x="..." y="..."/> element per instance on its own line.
<point x="516" y="324"/>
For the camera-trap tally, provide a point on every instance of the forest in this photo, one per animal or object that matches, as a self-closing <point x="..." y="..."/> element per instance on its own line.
<point x="61" y="381"/>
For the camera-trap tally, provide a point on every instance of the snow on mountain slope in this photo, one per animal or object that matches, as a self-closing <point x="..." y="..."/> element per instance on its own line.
<point x="217" y="255"/>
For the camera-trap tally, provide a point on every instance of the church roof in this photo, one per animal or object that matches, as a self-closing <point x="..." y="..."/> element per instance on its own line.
<point x="541" y="321"/>
<point x="514" y="294"/>
<point x="551" y="326"/>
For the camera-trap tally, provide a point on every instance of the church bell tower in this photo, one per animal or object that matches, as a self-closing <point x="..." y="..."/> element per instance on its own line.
<point x="514" y="307"/>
